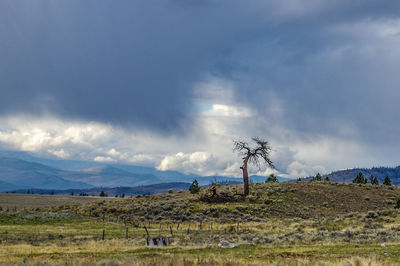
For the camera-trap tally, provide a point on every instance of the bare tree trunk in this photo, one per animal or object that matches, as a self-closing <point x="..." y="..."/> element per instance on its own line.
<point x="245" y="178"/>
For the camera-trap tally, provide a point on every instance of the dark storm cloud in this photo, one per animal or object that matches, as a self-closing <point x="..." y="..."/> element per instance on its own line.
<point x="125" y="62"/>
<point x="134" y="62"/>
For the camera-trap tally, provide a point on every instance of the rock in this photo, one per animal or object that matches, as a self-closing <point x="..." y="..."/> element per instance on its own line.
<point x="226" y="244"/>
<point x="383" y="245"/>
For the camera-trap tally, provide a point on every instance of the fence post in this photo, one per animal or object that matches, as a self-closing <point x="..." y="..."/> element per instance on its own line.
<point x="103" y="234"/>
<point x="126" y="233"/>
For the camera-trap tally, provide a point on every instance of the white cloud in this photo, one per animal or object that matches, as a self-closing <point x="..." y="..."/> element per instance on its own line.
<point x="59" y="153"/>
<point x="298" y="169"/>
<point x="196" y="162"/>
<point x="103" y="159"/>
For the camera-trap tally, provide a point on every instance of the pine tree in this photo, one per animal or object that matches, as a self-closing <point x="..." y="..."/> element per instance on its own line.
<point x="318" y="177"/>
<point x="387" y="181"/>
<point x="373" y="180"/>
<point x="359" y="179"/>
<point x="271" y="179"/>
<point x="327" y="179"/>
<point x="194" y="187"/>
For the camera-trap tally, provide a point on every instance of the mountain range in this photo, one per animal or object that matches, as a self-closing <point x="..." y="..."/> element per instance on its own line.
<point x="21" y="170"/>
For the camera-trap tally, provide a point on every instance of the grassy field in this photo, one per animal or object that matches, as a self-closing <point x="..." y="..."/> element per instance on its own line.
<point x="278" y="224"/>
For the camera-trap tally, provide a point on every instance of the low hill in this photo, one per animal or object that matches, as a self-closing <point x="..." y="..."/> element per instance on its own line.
<point x="278" y="200"/>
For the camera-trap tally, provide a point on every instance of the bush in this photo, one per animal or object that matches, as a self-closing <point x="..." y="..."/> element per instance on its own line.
<point x="397" y="204"/>
<point x="194" y="187"/>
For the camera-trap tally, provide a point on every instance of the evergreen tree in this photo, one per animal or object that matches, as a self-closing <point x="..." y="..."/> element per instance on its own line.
<point x="387" y="181"/>
<point x="373" y="180"/>
<point x="327" y="179"/>
<point x="271" y="179"/>
<point x="318" y="177"/>
<point x="359" y="179"/>
<point x="194" y="187"/>
<point x="102" y="194"/>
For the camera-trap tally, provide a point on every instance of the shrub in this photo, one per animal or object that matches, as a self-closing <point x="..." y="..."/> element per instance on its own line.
<point x="397" y="204"/>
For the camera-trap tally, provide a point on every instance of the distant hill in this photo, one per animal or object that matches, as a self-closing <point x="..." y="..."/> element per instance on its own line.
<point x="348" y="175"/>
<point x="378" y="172"/>
<point x="15" y="173"/>
<point x="20" y="174"/>
<point x="4" y="186"/>
<point x="108" y="176"/>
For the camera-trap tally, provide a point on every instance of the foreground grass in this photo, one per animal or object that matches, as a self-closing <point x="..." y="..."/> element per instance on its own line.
<point x="278" y="224"/>
<point x="122" y="251"/>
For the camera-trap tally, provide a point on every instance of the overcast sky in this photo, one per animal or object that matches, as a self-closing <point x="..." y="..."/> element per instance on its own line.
<point x="170" y="83"/>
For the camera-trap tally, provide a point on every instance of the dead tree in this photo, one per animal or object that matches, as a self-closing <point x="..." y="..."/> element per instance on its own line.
<point x="257" y="155"/>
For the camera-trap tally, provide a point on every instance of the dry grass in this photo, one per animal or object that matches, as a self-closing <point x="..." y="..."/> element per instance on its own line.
<point x="121" y="252"/>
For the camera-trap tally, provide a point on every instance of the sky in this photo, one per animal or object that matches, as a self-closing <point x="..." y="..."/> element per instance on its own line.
<point x="171" y="83"/>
